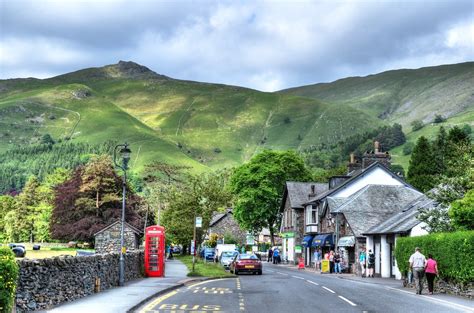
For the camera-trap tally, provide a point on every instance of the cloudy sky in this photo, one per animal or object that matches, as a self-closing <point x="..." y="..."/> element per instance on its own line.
<point x="266" y="45"/>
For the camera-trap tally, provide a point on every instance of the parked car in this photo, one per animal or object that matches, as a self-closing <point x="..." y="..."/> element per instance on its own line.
<point x="246" y="262"/>
<point x="227" y="257"/>
<point x="209" y="254"/>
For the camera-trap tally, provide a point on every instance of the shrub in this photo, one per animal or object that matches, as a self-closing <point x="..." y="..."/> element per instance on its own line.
<point x="417" y="125"/>
<point x="8" y="279"/>
<point x="408" y="148"/>
<point x="439" y="119"/>
<point x="454" y="253"/>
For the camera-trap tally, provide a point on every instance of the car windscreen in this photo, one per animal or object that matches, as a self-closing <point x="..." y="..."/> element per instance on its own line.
<point x="248" y="257"/>
<point x="228" y="253"/>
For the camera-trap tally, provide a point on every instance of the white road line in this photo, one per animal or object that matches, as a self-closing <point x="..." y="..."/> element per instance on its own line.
<point x="298" y="277"/>
<point x="348" y="301"/>
<point x="282" y="273"/>
<point x="328" y="289"/>
<point x="312" y="282"/>
<point x="459" y="306"/>
<point x="270" y="271"/>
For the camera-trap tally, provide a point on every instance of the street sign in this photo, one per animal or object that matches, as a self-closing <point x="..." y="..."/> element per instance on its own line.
<point x="198" y="222"/>
<point x="192" y="247"/>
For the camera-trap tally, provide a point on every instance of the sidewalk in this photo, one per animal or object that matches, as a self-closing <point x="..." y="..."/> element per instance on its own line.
<point x="122" y="299"/>
<point x="393" y="284"/>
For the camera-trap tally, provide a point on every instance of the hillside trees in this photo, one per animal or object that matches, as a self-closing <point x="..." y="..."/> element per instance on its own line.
<point x="258" y="187"/>
<point x="421" y="170"/>
<point x="85" y="203"/>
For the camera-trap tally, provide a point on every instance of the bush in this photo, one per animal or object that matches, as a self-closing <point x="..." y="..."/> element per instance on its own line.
<point x="8" y="279"/>
<point x="454" y="253"/>
<point x="417" y="125"/>
<point x="439" y="119"/>
<point x="408" y="148"/>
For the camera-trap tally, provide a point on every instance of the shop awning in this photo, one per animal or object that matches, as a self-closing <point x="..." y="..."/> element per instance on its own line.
<point x="307" y="241"/>
<point x="347" y="241"/>
<point x="323" y="240"/>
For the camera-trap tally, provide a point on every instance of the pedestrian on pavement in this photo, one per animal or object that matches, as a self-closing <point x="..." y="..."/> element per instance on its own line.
<point x="170" y="255"/>
<point x="270" y="255"/>
<point x="371" y="264"/>
<point x="431" y="270"/>
<point x="317" y="259"/>
<point x="417" y="264"/>
<point x="337" y="263"/>
<point x="362" y="262"/>
<point x="276" y="256"/>
<point x="331" y="262"/>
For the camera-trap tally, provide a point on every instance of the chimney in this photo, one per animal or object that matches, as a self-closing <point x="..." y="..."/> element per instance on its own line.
<point x="352" y="161"/>
<point x="376" y="147"/>
<point x="312" y="189"/>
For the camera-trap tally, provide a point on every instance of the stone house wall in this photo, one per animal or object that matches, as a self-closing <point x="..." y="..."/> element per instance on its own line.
<point x="44" y="283"/>
<point x="228" y="225"/>
<point x="108" y="241"/>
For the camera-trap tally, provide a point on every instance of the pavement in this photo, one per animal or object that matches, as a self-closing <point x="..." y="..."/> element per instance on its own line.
<point x="126" y="298"/>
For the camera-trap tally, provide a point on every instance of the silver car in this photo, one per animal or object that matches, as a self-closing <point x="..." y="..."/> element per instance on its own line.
<point x="227" y="257"/>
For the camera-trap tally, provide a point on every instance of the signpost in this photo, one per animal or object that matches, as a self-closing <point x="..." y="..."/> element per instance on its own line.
<point x="197" y="224"/>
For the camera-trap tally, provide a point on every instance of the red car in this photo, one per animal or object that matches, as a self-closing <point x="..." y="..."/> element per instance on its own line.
<point x="246" y="263"/>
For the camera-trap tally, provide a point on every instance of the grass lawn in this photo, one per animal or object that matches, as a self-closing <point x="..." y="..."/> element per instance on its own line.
<point x="43" y="254"/>
<point x="201" y="268"/>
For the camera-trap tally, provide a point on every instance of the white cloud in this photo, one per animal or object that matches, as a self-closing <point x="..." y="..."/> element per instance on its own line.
<point x="263" y="45"/>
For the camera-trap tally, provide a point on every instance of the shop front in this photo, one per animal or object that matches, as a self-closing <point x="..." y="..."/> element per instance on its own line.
<point x="346" y="250"/>
<point x="288" y="246"/>
<point x="325" y="242"/>
<point x="306" y="245"/>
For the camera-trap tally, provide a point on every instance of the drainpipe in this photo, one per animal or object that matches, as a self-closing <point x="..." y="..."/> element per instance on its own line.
<point x="337" y="231"/>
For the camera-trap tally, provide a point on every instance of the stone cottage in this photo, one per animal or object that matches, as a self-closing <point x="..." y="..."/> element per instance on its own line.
<point x="224" y="223"/>
<point x="108" y="238"/>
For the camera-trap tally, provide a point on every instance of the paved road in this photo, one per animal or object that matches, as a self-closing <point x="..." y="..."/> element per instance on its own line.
<point x="281" y="289"/>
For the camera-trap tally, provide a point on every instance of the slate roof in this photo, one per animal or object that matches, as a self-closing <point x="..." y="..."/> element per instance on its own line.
<point x="217" y="217"/>
<point x="133" y="228"/>
<point x="298" y="192"/>
<point x="405" y="220"/>
<point x="373" y="204"/>
<point x="355" y="177"/>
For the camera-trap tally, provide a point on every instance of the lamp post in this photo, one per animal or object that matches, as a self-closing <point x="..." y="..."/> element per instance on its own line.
<point x="125" y="155"/>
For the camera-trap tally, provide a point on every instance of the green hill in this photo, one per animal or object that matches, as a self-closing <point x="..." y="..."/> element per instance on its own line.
<point x="196" y="124"/>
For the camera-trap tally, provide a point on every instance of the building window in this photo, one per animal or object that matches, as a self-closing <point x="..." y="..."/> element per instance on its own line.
<point x="311" y="215"/>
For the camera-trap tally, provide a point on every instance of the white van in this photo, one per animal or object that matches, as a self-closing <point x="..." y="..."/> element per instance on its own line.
<point x="223" y="247"/>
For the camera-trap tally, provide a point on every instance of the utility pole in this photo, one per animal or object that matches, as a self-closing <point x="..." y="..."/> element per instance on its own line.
<point x="194" y="242"/>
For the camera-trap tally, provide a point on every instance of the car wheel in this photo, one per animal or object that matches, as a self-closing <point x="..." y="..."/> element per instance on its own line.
<point x="260" y="272"/>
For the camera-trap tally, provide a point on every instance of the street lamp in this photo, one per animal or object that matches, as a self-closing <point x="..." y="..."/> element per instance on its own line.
<point x="125" y="156"/>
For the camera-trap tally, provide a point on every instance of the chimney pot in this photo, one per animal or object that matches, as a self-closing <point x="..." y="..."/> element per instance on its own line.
<point x="352" y="161"/>
<point x="376" y="146"/>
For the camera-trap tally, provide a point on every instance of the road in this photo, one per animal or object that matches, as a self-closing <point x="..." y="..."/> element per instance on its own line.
<point x="281" y="289"/>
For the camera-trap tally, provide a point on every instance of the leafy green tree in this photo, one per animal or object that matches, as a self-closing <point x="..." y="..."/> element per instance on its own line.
<point x="27" y="202"/>
<point x="417" y="125"/>
<point x="462" y="212"/>
<point x="440" y="150"/>
<point x="421" y="171"/>
<point x="258" y="186"/>
<point x="408" y="148"/>
<point x="439" y="119"/>
<point x="8" y="279"/>
<point x="196" y="196"/>
<point x="7" y="204"/>
<point x="47" y="140"/>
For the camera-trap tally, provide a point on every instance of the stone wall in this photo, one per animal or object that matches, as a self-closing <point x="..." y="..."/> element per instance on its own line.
<point x="108" y="241"/>
<point x="441" y="286"/>
<point x="44" y="283"/>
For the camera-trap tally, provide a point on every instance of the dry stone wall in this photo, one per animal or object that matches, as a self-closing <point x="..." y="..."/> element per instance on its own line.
<point x="44" y="283"/>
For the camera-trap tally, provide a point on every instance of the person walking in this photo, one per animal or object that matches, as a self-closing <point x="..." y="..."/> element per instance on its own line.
<point x="315" y="259"/>
<point x="337" y="263"/>
<point x="362" y="262"/>
<point x="319" y="256"/>
<point x="270" y="255"/>
<point x="371" y="264"/>
<point x="276" y="256"/>
<point x="170" y="255"/>
<point x="417" y="265"/>
<point x="431" y="271"/>
<point x="331" y="262"/>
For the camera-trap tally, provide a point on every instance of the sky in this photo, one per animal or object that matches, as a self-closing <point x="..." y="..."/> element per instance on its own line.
<point x="264" y="45"/>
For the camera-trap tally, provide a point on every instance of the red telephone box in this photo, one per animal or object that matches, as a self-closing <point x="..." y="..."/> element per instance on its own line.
<point x="155" y="251"/>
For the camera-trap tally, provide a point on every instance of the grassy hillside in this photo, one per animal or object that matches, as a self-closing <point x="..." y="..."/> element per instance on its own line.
<point x="402" y="96"/>
<point x="196" y="124"/>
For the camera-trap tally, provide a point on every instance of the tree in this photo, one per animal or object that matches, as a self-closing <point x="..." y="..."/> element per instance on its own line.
<point x="462" y="212"/>
<point x="440" y="150"/>
<point x="417" y="125"/>
<point x="7" y="204"/>
<point x="408" y="148"/>
<point x="439" y="119"/>
<point x="258" y="186"/>
<point x="46" y="139"/>
<point x="421" y="171"/>
<point x="84" y="204"/>
<point x="196" y="196"/>
<point x="27" y="202"/>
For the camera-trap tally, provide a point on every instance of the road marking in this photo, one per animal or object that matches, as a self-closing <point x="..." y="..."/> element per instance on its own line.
<point x="312" y="282"/>
<point x="348" y="301"/>
<point x="157" y="301"/>
<point x="282" y="273"/>
<point x="298" y="277"/>
<point x="207" y="281"/>
<point x="460" y="306"/>
<point x="328" y="289"/>
<point x="270" y="271"/>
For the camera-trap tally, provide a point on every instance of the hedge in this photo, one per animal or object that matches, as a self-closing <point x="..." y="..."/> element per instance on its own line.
<point x="454" y="253"/>
<point x="8" y="279"/>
